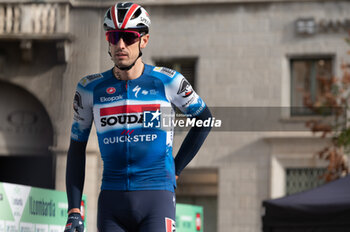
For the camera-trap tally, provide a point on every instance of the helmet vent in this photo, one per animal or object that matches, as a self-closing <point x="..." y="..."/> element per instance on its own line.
<point x="109" y="14"/>
<point x="142" y="27"/>
<point x="121" y="15"/>
<point x="137" y="13"/>
<point x="124" y="5"/>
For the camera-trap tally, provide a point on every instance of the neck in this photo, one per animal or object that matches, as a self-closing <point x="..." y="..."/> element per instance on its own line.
<point x="135" y="72"/>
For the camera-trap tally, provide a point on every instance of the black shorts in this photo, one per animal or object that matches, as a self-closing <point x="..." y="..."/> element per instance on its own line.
<point x="136" y="211"/>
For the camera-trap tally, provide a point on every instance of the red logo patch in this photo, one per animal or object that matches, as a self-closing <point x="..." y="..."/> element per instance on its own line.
<point x="110" y="90"/>
<point x="170" y="225"/>
<point x="198" y="222"/>
<point x="68" y="226"/>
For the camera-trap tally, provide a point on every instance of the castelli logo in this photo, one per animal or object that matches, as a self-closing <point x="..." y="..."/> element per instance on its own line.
<point x="110" y="90"/>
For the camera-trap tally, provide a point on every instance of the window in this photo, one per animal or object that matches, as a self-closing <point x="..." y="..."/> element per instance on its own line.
<point x="186" y="66"/>
<point x="302" y="179"/>
<point x="199" y="186"/>
<point x="306" y="75"/>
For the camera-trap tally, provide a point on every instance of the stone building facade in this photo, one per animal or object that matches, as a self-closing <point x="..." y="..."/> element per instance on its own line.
<point x="241" y="55"/>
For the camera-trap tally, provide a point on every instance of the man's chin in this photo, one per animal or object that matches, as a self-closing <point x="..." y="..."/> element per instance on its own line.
<point x="122" y="65"/>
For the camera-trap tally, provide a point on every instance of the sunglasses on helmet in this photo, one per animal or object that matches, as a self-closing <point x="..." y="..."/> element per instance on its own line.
<point x="129" y="37"/>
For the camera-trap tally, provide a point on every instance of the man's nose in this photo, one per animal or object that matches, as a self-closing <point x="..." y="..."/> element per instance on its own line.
<point x="120" y="43"/>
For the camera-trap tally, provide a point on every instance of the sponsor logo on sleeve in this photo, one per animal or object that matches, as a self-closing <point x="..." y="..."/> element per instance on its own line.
<point x="77" y="102"/>
<point x="88" y="79"/>
<point x="185" y="89"/>
<point x="77" y="105"/>
<point x="167" y="71"/>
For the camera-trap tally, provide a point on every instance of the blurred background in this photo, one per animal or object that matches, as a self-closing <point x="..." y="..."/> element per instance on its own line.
<point x="235" y="53"/>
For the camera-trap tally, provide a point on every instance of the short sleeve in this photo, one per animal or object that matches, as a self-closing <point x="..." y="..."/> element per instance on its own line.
<point x="82" y="120"/>
<point x="182" y="95"/>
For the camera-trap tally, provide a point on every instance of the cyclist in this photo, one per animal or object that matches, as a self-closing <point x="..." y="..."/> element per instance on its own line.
<point x="139" y="175"/>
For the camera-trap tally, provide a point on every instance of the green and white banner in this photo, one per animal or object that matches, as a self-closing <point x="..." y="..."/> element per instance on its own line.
<point x="29" y="209"/>
<point x="189" y="218"/>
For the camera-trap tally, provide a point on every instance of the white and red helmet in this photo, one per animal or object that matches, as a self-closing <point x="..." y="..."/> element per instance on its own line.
<point x="126" y="15"/>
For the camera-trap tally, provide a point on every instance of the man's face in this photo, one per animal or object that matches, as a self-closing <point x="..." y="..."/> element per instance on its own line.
<point x="124" y="54"/>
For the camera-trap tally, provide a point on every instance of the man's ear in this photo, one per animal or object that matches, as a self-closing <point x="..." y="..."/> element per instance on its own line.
<point x="144" y="41"/>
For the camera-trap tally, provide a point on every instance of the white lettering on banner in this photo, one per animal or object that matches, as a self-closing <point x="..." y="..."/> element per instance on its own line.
<point x="23" y="226"/>
<point x="11" y="226"/>
<point x="128" y="138"/>
<point x="41" y="228"/>
<point x="55" y="228"/>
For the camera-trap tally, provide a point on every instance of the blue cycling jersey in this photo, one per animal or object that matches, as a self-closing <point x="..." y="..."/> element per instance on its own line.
<point x="136" y="156"/>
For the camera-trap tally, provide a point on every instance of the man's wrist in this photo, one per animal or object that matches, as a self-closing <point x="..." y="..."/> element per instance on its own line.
<point x="74" y="210"/>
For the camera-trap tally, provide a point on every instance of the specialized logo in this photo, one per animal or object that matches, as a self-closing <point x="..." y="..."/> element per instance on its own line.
<point x="170" y="225"/>
<point x="77" y="102"/>
<point x="125" y="114"/>
<point x="185" y="89"/>
<point x="167" y="71"/>
<point x="144" y="20"/>
<point x="110" y="90"/>
<point x="136" y="90"/>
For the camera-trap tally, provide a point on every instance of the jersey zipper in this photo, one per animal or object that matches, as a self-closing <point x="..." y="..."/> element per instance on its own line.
<point x="127" y="144"/>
